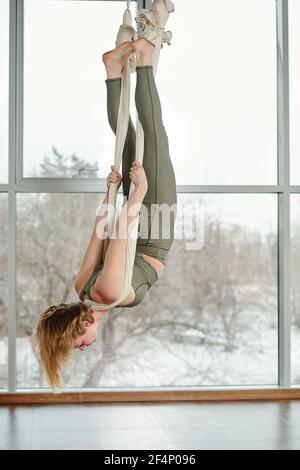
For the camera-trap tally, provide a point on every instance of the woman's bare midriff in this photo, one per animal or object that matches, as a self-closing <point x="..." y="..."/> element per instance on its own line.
<point x="155" y="263"/>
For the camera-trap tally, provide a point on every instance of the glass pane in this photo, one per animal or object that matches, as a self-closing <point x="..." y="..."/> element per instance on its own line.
<point x="3" y="290"/>
<point x="218" y="89"/>
<point x="4" y="68"/>
<point x="217" y="322"/>
<point x="294" y="19"/>
<point x="295" y="294"/>
<point x="45" y="269"/>
<point x="64" y="87"/>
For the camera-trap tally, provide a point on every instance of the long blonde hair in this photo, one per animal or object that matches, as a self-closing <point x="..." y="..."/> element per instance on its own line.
<point x="55" y="332"/>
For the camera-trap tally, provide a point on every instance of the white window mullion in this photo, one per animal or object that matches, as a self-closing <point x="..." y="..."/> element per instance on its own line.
<point x="284" y="196"/>
<point x="12" y="196"/>
<point x="19" y="52"/>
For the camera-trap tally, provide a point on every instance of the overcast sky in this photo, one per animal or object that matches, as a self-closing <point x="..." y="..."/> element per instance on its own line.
<point x="217" y="84"/>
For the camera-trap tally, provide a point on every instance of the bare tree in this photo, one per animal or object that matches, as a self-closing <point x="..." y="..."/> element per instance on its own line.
<point x="200" y="301"/>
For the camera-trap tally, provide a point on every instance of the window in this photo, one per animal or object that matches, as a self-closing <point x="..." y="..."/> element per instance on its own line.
<point x="222" y="329"/>
<point x="4" y="63"/>
<point x="64" y="88"/>
<point x="3" y="290"/>
<point x="294" y="18"/>
<point x="212" y="319"/>
<point x="45" y="276"/>
<point x="220" y="108"/>
<point x="295" y="293"/>
<point x="294" y="38"/>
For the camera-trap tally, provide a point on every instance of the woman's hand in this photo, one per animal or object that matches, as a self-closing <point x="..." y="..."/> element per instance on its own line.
<point x="138" y="175"/>
<point x="114" y="177"/>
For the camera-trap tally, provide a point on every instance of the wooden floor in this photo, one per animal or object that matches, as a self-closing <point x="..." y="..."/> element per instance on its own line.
<point x="162" y="426"/>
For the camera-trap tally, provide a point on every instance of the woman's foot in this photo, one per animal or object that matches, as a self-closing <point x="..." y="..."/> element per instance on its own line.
<point x="115" y="59"/>
<point x="144" y="51"/>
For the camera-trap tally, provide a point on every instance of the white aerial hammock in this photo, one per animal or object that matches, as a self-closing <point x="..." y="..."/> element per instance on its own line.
<point x="152" y="23"/>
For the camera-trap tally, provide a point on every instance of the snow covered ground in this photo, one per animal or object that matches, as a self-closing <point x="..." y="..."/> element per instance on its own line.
<point x="154" y="363"/>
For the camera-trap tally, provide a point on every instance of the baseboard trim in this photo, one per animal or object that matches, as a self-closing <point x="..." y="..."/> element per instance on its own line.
<point x="149" y="396"/>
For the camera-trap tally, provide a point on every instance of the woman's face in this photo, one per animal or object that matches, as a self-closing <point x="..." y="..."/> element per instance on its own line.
<point x="89" y="337"/>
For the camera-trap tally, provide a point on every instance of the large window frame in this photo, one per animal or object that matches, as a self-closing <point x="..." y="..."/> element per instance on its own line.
<point x="18" y="184"/>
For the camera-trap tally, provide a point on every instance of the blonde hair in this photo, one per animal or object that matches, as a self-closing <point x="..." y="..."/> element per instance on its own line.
<point x="54" y="336"/>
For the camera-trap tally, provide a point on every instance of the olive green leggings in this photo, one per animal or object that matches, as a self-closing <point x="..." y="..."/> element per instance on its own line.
<point x="156" y="162"/>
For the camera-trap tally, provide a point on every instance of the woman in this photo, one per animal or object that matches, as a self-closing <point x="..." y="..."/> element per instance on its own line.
<point x="64" y="327"/>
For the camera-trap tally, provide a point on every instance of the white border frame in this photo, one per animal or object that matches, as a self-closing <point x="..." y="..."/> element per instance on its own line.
<point x="19" y="184"/>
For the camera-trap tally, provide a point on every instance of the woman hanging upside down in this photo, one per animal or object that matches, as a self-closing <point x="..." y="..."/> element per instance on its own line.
<point x="64" y="327"/>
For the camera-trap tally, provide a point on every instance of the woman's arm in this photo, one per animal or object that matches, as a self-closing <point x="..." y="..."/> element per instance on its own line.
<point x="93" y="253"/>
<point x="110" y="284"/>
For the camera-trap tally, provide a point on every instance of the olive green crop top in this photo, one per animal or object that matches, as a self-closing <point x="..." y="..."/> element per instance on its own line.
<point x="143" y="277"/>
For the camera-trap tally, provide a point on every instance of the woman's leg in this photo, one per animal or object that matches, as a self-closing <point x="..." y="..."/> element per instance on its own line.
<point x="157" y="163"/>
<point x="113" y="101"/>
